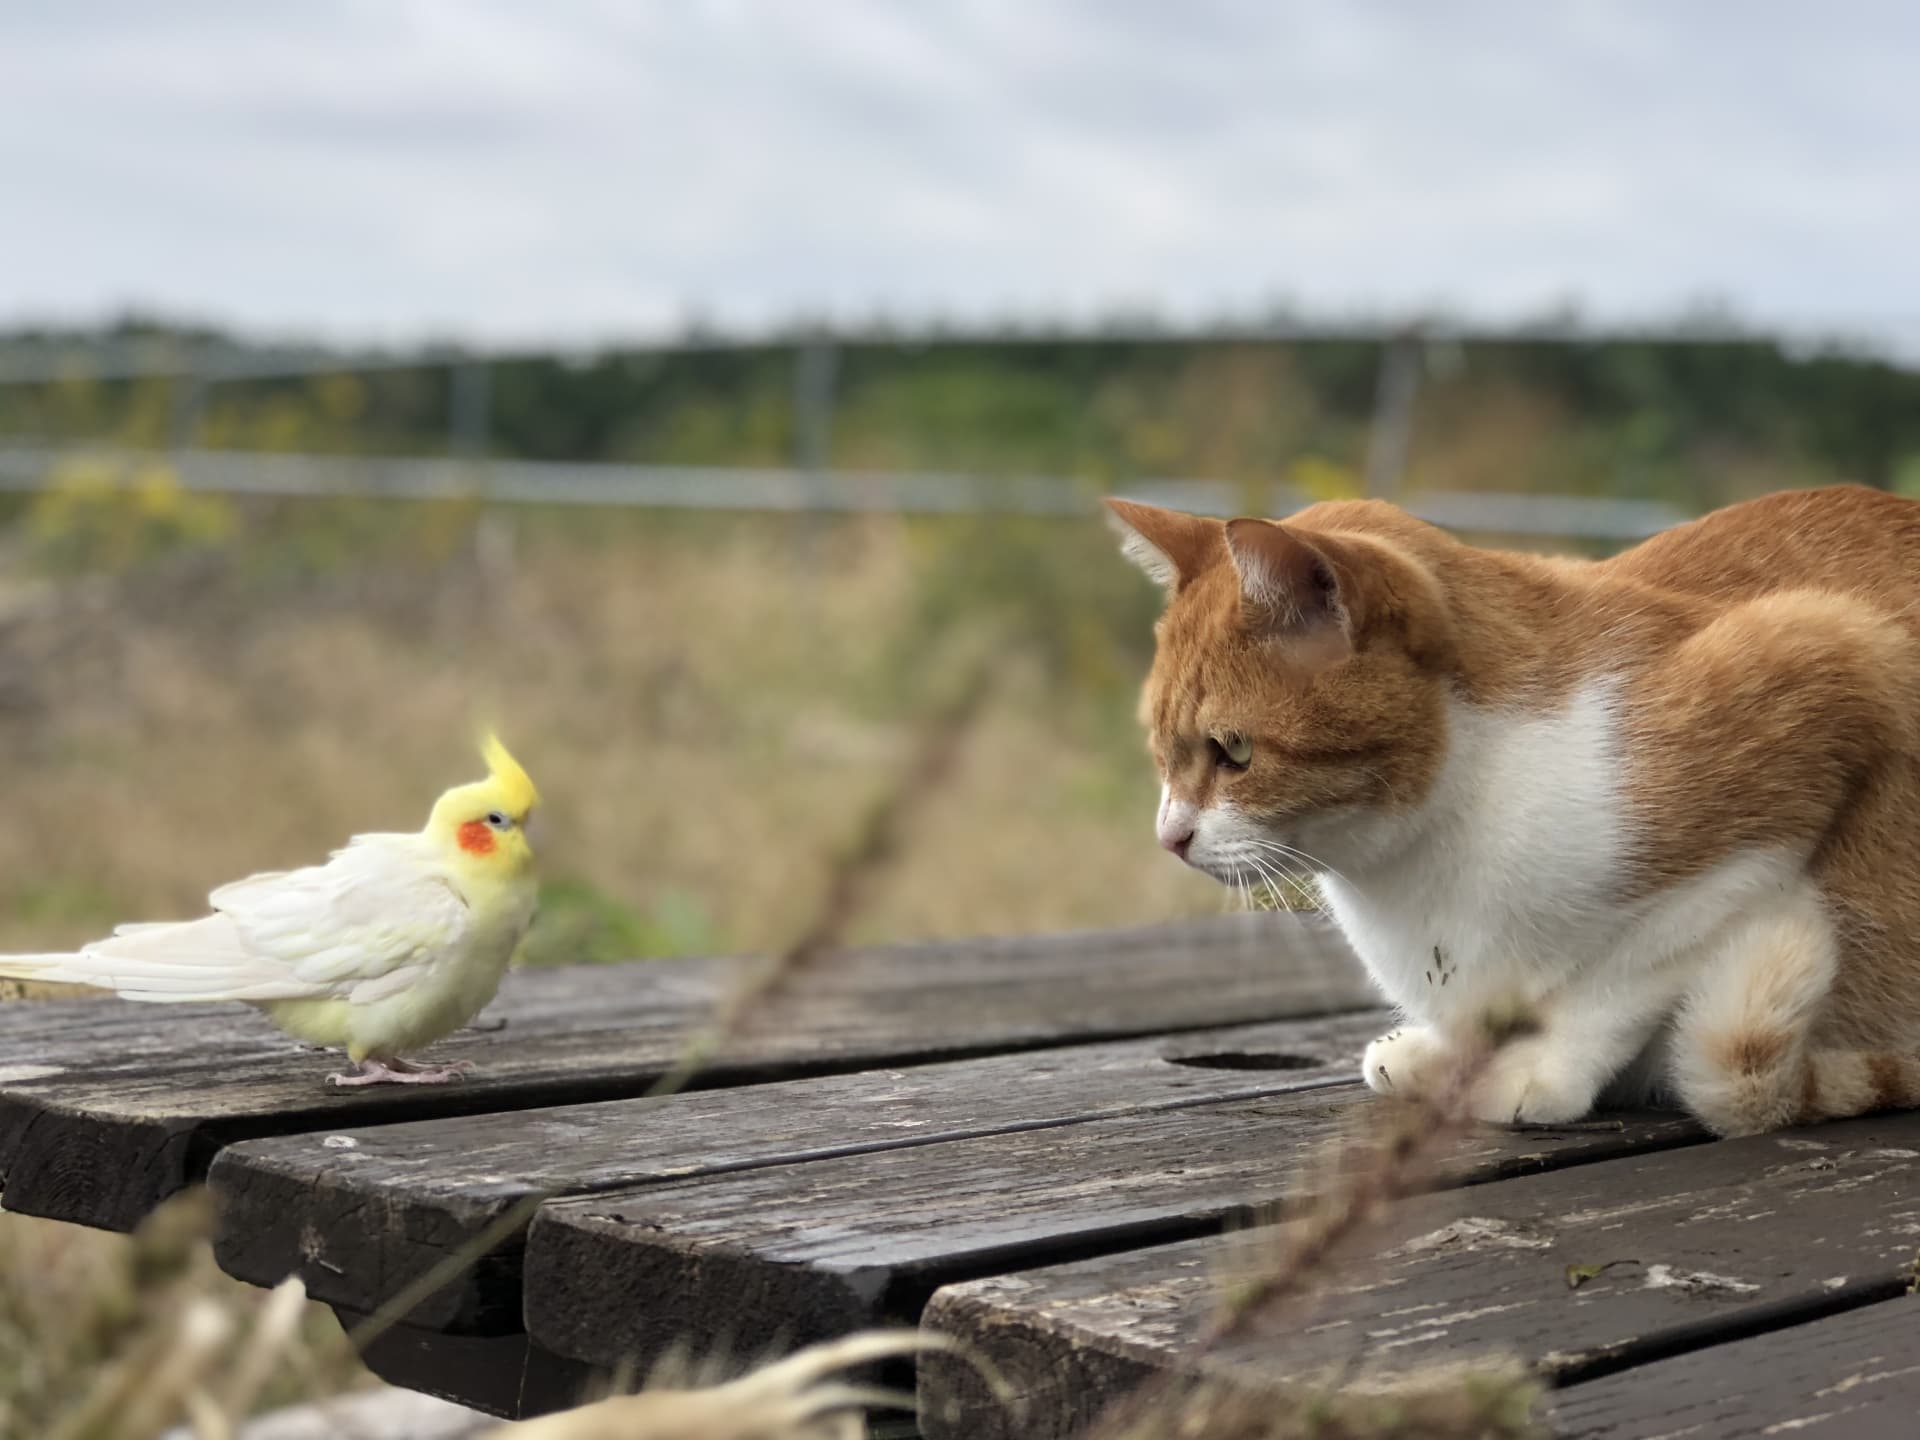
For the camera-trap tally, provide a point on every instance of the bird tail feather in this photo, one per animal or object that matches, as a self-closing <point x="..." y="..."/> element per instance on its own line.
<point x="170" y="962"/>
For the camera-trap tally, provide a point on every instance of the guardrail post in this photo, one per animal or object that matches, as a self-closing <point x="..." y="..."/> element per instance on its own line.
<point x="816" y="368"/>
<point x="469" y="409"/>
<point x="189" y="401"/>
<point x="469" y="432"/>
<point x="1402" y="361"/>
<point x="815" y="371"/>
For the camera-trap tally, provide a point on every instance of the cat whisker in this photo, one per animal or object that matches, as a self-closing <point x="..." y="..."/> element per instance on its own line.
<point x="1291" y="873"/>
<point x="1314" y="862"/>
<point x="1271" y="883"/>
<point x="1247" y="888"/>
<point x="1315" y="865"/>
<point x="1310" y="862"/>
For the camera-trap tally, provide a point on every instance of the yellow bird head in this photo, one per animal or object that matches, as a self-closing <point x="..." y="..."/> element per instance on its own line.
<point x="487" y="820"/>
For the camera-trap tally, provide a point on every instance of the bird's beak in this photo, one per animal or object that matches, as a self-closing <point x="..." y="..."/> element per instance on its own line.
<point x="531" y="827"/>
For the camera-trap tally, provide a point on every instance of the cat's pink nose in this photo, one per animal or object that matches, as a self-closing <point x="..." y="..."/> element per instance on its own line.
<point x="1177" y="840"/>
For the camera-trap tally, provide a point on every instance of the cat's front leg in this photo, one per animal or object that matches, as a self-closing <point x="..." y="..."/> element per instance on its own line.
<point x="1531" y="1081"/>
<point x="1542" y="1080"/>
<point x="1550" y="1076"/>
<point x="1576" y="1042"/>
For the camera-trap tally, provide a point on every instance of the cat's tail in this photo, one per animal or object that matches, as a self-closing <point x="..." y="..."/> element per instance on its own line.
<point x="1761" y="1083"/>
<point x="1857" y="1082"/>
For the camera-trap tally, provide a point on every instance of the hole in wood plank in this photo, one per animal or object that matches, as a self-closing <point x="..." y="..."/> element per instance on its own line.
<point x="1249" y="1060"/>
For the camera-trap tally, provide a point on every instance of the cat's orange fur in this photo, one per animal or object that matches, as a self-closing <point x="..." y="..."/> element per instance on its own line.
<point x="1703" y="872"/>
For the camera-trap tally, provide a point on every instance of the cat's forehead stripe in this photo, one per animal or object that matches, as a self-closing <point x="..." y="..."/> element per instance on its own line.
<point x="1178" y="710"/>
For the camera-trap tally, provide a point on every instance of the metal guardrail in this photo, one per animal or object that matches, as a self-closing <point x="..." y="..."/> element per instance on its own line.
<point x="686" y="487"/>
<point x="195" y="367"/>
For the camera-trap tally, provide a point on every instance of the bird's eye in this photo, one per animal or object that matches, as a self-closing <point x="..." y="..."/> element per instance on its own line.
<point x="497" y="820"/>
<point x="1231" y="751"/>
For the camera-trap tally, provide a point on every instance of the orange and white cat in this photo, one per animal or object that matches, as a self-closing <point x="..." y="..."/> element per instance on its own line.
<point x="1668" y="802"/>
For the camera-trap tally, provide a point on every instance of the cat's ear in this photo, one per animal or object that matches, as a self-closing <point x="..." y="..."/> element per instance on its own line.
<point x="1170" y="546"/>
<point x="1290" y="589"/>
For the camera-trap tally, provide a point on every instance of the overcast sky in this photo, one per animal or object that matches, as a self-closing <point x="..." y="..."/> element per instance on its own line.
<point x="563" y="170"/>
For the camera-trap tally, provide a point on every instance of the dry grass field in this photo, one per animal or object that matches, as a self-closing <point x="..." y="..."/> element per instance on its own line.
<point x="707" y="705"/>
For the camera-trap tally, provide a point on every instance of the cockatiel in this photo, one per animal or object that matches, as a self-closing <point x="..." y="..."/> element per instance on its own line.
<point x="394" y="943"/>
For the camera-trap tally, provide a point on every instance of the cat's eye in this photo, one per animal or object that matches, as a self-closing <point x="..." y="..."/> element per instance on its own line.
<point x="1231" y="750"/>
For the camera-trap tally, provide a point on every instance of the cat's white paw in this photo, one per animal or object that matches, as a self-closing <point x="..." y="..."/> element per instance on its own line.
<point x="1407" y="1062"/>
<point x="1529" y="1083"/>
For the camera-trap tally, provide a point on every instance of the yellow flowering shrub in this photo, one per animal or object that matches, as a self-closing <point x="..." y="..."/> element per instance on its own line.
<point x="102" y="513"/>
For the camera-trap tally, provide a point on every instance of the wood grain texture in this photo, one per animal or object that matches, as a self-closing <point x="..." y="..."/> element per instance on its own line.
<point x="106" y="1108"/>
<point x="1703" y="1245"/>
<point x="1853" y="1376"/>
<point x="360" y="1213"/>
<point x="804" y="1252"/>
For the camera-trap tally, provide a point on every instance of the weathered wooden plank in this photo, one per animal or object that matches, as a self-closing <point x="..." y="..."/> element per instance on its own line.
<point x="106" y="1108"/>
<point x="361" y="1213"/>
<point x="810" y="1251"/>
<point x="1853" y="1376"/>
<point x="1702" y="1245"/>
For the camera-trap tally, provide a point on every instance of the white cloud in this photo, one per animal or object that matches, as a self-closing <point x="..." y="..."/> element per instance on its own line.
<point x="512" y="172"/>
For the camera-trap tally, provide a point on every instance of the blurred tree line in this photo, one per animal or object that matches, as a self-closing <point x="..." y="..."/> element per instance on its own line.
<point x="1694" y="422"/>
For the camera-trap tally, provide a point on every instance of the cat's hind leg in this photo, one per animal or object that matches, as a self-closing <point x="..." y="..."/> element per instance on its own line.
<point x="1743" y="1055"/>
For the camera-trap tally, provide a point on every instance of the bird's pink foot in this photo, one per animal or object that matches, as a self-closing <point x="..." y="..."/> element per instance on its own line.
<point x="402" y="1072"/>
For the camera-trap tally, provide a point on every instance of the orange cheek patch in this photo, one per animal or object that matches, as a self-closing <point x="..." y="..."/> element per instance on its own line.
<point x="476" y="837"/>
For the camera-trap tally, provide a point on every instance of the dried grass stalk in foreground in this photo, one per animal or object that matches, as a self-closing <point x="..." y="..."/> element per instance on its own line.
<point x="1349" y="1192"/>
<point x="1396" y="1154"/>
<point x="187" y="1364"/>
<point x="119" y="1338"/>
<point x="792" y="1399"/>
<point x="159" y="1352"/>
<point x="851" y="883"/>
<point x="190" y="1368"/>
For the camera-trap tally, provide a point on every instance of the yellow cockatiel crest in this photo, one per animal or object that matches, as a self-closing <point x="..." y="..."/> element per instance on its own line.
<point x="515" y="784"/>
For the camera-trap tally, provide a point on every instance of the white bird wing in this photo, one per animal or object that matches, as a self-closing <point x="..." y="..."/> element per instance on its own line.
<point x="359" y="928"/>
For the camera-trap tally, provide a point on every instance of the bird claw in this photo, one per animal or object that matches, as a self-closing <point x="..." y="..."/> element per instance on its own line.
<point x="401" y="1072"/>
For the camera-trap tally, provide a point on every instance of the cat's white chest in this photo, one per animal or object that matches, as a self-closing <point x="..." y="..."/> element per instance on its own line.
<point x="1509" y="877"/>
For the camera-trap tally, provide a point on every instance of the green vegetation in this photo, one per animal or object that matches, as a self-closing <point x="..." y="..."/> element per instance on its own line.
<point x="580" y="923"/>
<point x="1692" y="422"/>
